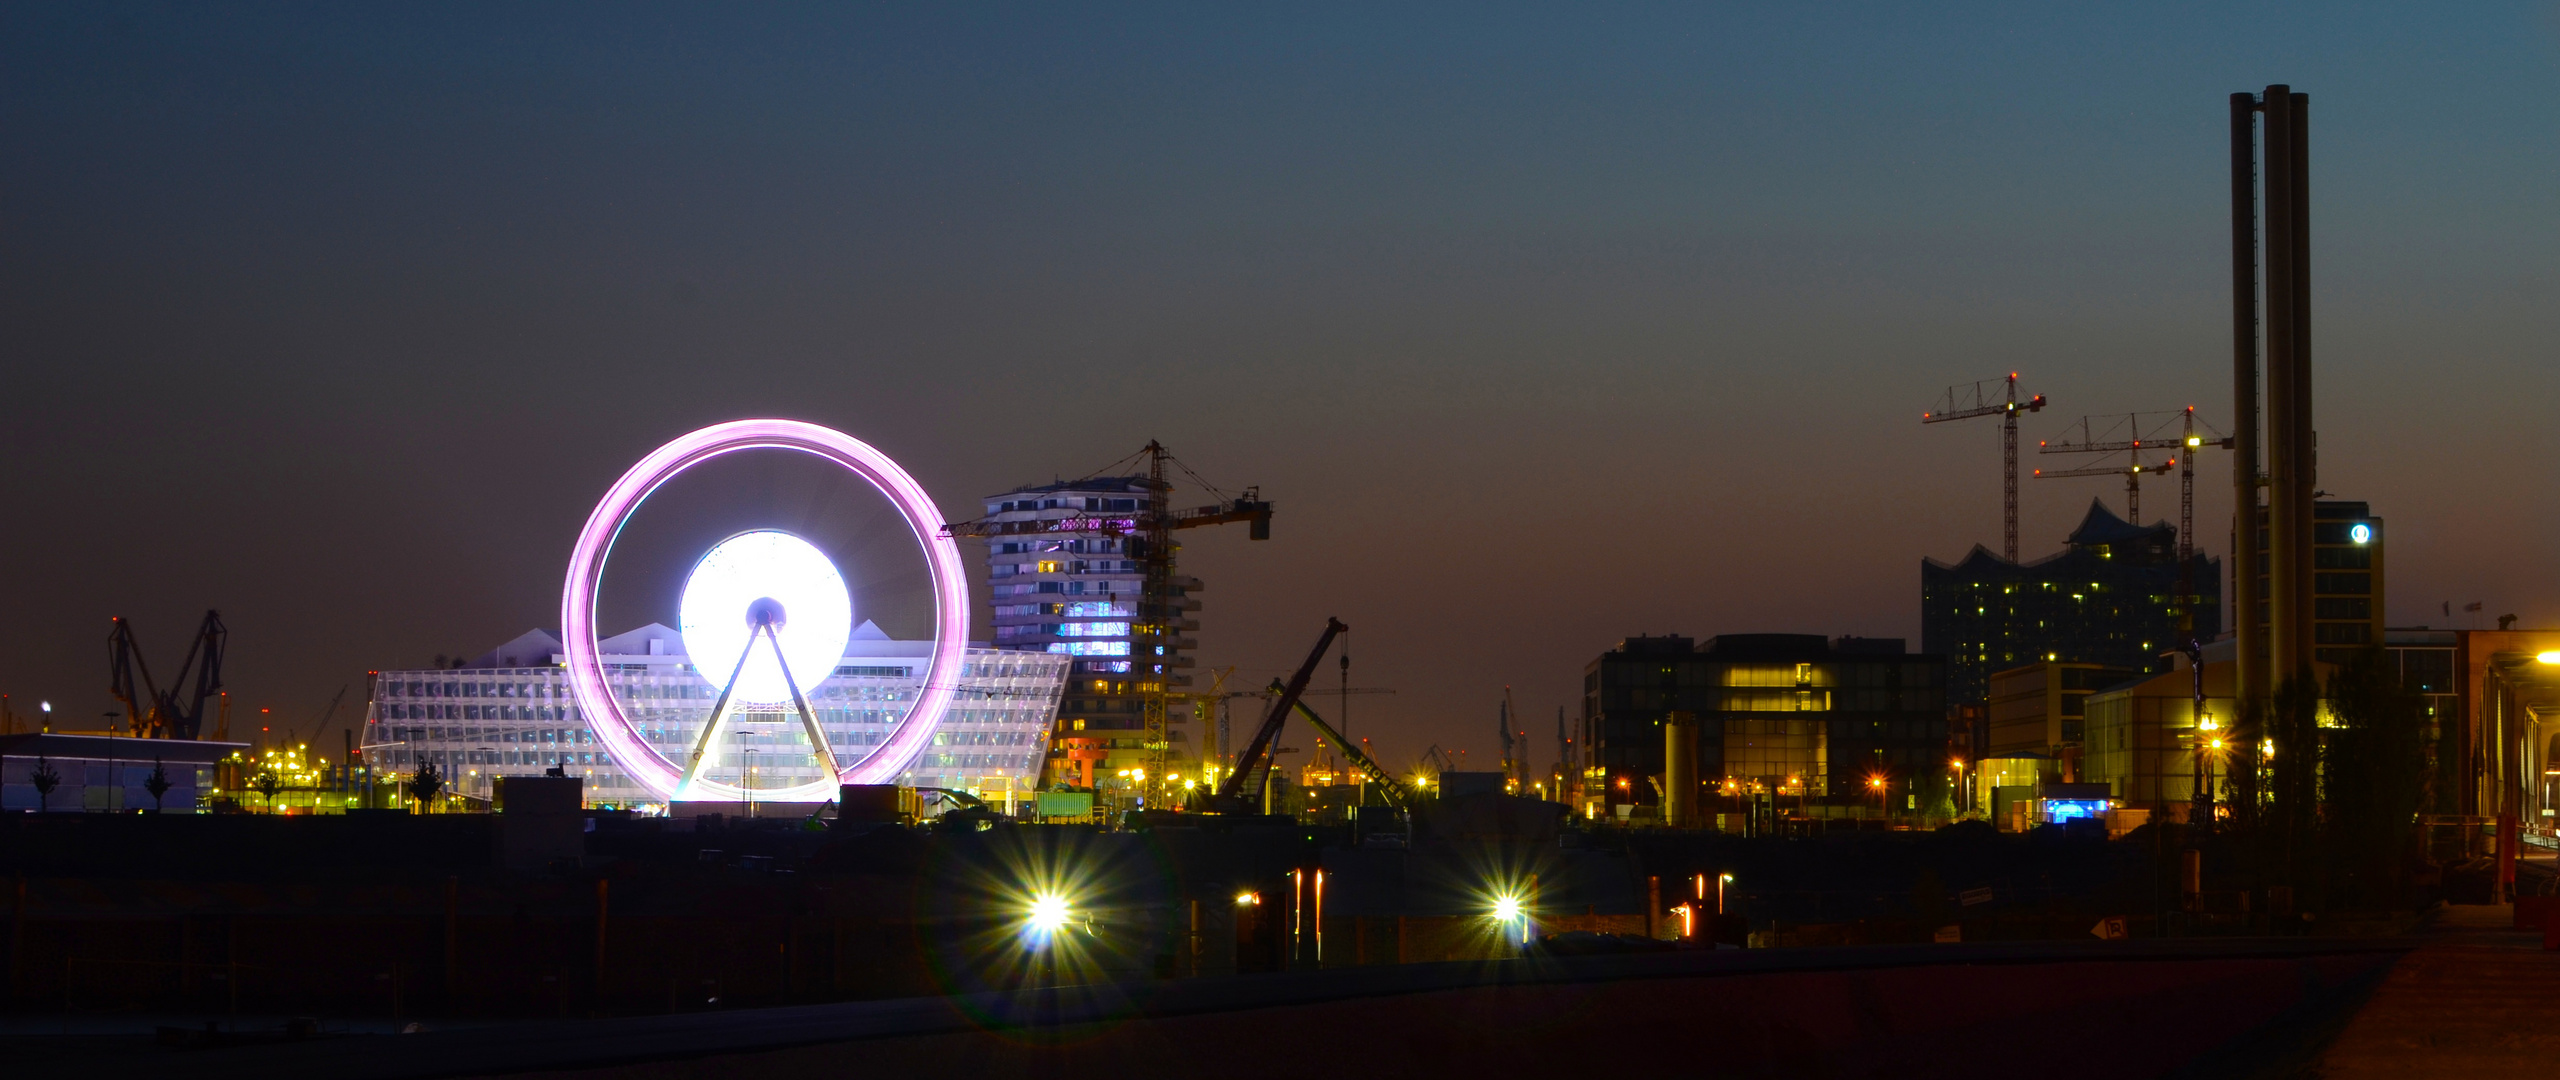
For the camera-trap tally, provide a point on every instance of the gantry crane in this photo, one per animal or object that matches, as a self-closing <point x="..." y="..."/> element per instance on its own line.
<point x="1148" y="532"/>
<point x="151" y="713"/>
<point x="1963" y="403"/>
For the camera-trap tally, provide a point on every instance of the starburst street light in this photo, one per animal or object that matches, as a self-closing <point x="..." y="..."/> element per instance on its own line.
<point x="1048" y="915"/>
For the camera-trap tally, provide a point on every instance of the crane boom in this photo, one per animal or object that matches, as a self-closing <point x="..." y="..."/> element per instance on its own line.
<point x="149" y="711"/>
<point x="1255" y="761"/>
<point x="1145" y="532"/>
<point x="126" y="668"/>
<point x="1961" y="405"/>
<point x="1396" y="790"/>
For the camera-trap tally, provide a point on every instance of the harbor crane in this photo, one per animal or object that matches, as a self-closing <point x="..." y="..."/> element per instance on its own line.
<point x="151" y="713"/>
<point x="1994" y="397"/>
<point x="1253" y="765"/>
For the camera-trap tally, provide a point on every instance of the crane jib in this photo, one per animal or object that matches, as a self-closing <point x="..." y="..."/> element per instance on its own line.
<point x="1251" y="761"/>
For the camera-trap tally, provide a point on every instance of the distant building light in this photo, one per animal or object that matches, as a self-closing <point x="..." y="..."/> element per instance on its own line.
<point x="2360" y="533"/>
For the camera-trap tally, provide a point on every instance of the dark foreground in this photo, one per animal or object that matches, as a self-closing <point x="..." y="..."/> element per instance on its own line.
<point x="2222" y="1007"/>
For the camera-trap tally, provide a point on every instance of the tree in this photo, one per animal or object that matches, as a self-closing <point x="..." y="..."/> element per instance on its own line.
<point x="425" y="785"/>
<point x="2374" y="780"/>
<point x="2291" y="824"/>
<point x="267" y="783"/>
<point x="45" y="780"/>
<point x="158" y="784"/>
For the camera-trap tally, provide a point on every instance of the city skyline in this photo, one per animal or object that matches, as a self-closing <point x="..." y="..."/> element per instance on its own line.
<point x="1539" y="331"/>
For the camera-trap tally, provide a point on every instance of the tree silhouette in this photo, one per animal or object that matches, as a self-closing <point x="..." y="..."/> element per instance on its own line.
<point x="267" y="783"/>
<point x="158" y="784"/>
<point x="425" y="785"/>
<point x="45" y="780"/>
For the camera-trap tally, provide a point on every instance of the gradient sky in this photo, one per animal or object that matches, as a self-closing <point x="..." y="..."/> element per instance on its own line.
<point x="1542" y="327"/>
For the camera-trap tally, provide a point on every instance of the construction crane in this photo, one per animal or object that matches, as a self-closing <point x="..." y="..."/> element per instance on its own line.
<point x="1564" y="756"/>
<point x="2176" y="432"/>
<point x="1397" y="791"/>
<point x="1344" y="692"/>
<point x="1148" y="533"/>
<point x="329" y="713"/>
<point x="2132" y="473"/>
<point x="151" y="713"/>
<point x="1253" y="766"/>
<point x="1965" y="403"/>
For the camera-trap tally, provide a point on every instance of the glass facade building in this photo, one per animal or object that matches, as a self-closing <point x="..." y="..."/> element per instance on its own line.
<point x="2110" y="597"/>
<point x="509" y="712"/>
<point x="1786" y="714"/>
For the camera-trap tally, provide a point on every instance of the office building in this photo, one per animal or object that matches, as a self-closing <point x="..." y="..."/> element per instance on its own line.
<point x="509" y="711"/>
<point x="2111" y="597"/>
<point x="1794" y="715"/>
<point x="2038" y="709"/>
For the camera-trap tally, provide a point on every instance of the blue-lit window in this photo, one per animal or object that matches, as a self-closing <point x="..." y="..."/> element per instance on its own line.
<point x="1094" y="629"/>
<point x="1090" y="648"/>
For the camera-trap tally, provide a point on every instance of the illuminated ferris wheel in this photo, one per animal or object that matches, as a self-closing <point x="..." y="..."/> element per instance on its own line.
<point x="764" y="616"/>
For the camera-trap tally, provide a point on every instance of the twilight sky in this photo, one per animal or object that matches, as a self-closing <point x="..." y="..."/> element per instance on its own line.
<point x="1541" y="327"/>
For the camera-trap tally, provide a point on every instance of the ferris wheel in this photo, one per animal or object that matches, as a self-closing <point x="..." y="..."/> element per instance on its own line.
<point x="764" y="616"/>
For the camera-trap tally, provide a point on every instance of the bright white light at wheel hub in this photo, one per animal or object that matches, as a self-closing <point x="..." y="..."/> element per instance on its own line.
<point x="816" y="618"/>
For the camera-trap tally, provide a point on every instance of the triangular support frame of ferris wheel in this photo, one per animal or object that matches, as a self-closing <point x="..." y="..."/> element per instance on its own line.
<point x="721" y="713"/>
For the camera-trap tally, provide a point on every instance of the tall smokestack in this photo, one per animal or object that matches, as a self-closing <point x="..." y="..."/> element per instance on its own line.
<point x="2283" y="635"/>
<point x="2290" y="469"/>
<point x="2249" y="673"/>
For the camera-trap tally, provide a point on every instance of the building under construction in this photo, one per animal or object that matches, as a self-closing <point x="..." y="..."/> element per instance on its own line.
<point x="1085" y="568"/>
<point x="2110" y="597"/>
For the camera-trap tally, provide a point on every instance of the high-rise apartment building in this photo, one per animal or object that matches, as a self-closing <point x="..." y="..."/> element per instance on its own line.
<point x="1078" y="594"/>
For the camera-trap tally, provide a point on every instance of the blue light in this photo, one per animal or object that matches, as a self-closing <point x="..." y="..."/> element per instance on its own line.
<point x="2061" y="810"/>
<point x="2360" y="533"/>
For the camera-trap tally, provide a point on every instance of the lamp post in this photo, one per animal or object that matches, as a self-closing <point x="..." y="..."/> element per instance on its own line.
<point x="2206" y="740"/>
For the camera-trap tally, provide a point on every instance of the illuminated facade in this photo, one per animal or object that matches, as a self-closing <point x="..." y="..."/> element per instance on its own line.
<point x="2110" y="597"/>
<point x="510" y="712"/>
<point x="2346" y="578"/>
<point x="1075" y="597"/>
<point x="1794" y="715"/>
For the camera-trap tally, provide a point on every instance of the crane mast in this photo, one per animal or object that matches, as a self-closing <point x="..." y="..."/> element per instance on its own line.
<point x="1965" y="403"/>
<point x="1156" y="620"/>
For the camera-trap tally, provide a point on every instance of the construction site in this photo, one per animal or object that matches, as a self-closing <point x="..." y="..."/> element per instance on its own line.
<point x="805" y="810"/>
